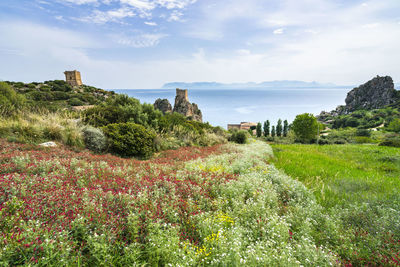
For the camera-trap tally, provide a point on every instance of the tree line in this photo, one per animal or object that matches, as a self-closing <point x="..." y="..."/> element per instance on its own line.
<point x="279" y="130"/>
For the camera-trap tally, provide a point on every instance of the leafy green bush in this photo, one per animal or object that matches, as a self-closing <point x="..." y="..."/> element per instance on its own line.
<point x="95" y="139"/>
<point x="363" y="132"/>
<point x="10" y="101"/>
<point x="75" y="102"/>
<point x="363" y="140"/>
<point x="393" y="141"/>
<point x="130" y="139"/>
<point x="239" y="137"/>
<point x="122" y="109"/>
<point x="394" y="125"/>
<point x="59" y="85"/>
<point x="324" y="141"/>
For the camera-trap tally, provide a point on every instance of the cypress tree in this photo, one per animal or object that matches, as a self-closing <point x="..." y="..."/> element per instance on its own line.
<point x="258" y="129"/>
<point x="273" y="131"/>
<point x="266" y="128"/>
<point x="285" y="128"/>
<point x="279" y="128"/>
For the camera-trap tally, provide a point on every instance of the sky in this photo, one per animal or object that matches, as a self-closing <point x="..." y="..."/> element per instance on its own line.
<point x="146" y="43"/>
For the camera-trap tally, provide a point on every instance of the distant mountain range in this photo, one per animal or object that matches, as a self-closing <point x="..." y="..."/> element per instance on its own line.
<point x="270" y="84"/>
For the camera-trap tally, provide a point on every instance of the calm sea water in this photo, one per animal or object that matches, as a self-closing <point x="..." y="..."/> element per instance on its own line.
<point x="223" y="106"/>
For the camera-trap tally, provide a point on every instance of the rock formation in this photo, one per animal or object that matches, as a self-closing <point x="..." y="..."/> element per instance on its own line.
<point x="184" y="107"/>
<point x="163" y="105"/>
<point x="374" y="94"/>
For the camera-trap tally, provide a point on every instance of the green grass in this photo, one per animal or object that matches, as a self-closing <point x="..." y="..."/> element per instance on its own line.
<point x="342" y="174"/>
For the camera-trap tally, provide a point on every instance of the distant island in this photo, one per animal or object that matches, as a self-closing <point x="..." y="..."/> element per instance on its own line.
<point x="269" y="84"/>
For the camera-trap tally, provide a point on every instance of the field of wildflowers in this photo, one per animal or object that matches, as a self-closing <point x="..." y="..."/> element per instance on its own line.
<point x="223" y="205"/>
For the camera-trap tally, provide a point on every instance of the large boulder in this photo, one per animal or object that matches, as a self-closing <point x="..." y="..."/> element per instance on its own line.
<point x="376" y="93"/>
<point x="163" y="105"/>
<point x="184" y="107"/>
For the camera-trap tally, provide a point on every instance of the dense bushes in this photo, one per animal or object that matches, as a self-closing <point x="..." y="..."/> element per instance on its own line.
<point x="239" y="137"/>
<point x="56" y="95"/>
<point x="122" y="109"/>
<point x="364" y="118"/>
<point x="394" y="125"/>
<point x="392" y="140"/>
<point x="172" y="130"/>
<point x="130" y="139"/>
<point x="10" y="101"/>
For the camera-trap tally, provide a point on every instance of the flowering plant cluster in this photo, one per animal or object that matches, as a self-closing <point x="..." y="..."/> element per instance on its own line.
<point x="222" y="205"/>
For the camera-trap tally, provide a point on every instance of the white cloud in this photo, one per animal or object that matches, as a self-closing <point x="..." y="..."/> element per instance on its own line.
<point x="278" y="31"/>
<point x="140" y="41"/>
<point x="101" y="17"/>
<point x="171" y="4"/>
<point x="144" y="5"/>
<point x="128" y="8"/>
<point x="150" y="23"/>
<point x="80" y="2"/>
<point x="175" y="16"/>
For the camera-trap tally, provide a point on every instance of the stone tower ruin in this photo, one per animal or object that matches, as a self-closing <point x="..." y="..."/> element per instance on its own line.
<point x="73" y="78"/>
<point x="184" y="107"/>
<point x="182" y="94"/>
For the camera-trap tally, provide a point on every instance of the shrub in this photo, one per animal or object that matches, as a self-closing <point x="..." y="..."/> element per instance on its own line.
<point x="340" y="141"/>
<point x="363" y="132"/>
<point x="363" y="139"/>
<point x="324" y="141"/>
<point x="95" y="139"/>
<point x="392" y="141"/>
<point x="122" y="109"/>
<point x="394" y="125"/>
<point x="75" y="102"/>
<point x="130" y="139"/>
<point x="239" y="137"/>
<point x="10" y="101"/>
<point x="269" y="139"/>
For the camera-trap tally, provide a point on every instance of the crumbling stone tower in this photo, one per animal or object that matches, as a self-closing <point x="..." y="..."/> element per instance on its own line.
<point x="182" y="94"/>
<point x="73" y="78"/>
<point x="184" y="107"/>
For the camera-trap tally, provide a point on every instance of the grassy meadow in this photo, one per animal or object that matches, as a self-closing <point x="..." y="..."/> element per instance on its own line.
<point x="341" y="174"/>
<point x="358" y="185"/>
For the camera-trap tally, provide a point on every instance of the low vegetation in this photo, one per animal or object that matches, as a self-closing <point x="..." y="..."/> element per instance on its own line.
<point x="36" y="112"/>
<point x="360" y="185"/>
<point x="56" y="95"/>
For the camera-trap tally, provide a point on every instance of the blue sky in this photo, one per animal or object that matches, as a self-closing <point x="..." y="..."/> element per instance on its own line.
<point x="145" y="43"/>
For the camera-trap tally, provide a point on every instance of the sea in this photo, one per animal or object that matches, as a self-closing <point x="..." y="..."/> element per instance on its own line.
<point x="230" y="106"/>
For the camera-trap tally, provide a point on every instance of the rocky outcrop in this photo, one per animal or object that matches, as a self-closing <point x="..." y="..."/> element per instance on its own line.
<point x="376" y="93"/>
<point x="184" y="107"/>
<point x="163" y="105"/>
